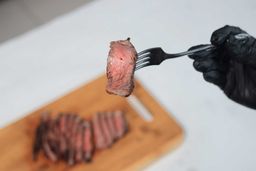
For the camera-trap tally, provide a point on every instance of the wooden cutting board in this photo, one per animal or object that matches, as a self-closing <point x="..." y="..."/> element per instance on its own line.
<point x="145" y="141"/>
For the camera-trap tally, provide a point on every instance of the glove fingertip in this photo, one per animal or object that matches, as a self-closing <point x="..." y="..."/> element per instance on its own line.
<point x="192" y="56"/>
<point x="214" y="77"/>
<point x="196" y="65"/>
<point x="217" y="38"/>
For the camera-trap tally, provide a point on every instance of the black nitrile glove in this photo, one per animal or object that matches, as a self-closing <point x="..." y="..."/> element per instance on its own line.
<point x="232" y="65"/>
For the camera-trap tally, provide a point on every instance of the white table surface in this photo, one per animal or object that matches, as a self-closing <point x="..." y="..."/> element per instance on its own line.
<point x="48" y="62"/>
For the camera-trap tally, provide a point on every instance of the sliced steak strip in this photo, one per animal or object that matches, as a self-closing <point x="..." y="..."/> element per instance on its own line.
<point x="62" y="137"/>
<point x="49" y="141"/>
<point x="63" y="123"/>
<point x="63" y="146"/>
<point x="79" y="143"/>
<point x="111" y="125"/>
<point x="49" y="152"/>
<point x="72" y="141"/>
<point x="40" y="131"/>
<point x="87" y="141"/>
<point x="99" y="138"/>
<point x="105" y="130"/>
<point x="120" y="123"/>
<point x="38" y="140"/>
<point x="120" y="68"/>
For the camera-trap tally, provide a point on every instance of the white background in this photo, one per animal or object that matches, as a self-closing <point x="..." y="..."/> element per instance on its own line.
<point x="48" y="62"/>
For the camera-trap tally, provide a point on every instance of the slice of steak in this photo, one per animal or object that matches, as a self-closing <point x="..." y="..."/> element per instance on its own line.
<point x="69" y="124"/>
<point x="72" y="139"/>
<point x="75" y="125"/>
<point x="49" y="152"/>
<point x="48" y="141"/>
<point x="120" y="123"/>
<point x="63" y="122"/>
<point x="63" y="146"/>
<point x="70" y="152"/>
<point x="52" y="137"/>
<point x="62" y="137"/>
<point x="57" y="134"/>
<point x="87" y="141"/>
<point x="66" y="136"/>
<point x="98" y="135"/>
<point x="105" y="130"/>
<point x="111" y="125"/>
<point x="40" y="131"/>
<point x="120" y="68"/>
<point x="38" y="141"/>
<point x="79" y="143"/>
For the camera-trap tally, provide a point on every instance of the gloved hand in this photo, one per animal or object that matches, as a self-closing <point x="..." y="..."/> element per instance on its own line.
<point x="231" y="65"/>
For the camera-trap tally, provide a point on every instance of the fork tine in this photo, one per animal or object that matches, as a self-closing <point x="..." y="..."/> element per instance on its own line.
<point x="142" y="65"/>
<point x="143" y="55"/>
<point x="142" y="52"/>
<point x="139" y="67"/>
<point x="142" y="60"/>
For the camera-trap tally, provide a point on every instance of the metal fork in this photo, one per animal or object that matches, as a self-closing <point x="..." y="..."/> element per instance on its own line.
<point x="155" y="56"/>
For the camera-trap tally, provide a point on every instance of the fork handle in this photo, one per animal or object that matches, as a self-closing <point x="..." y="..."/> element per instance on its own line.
<point x="191" y="52"/>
